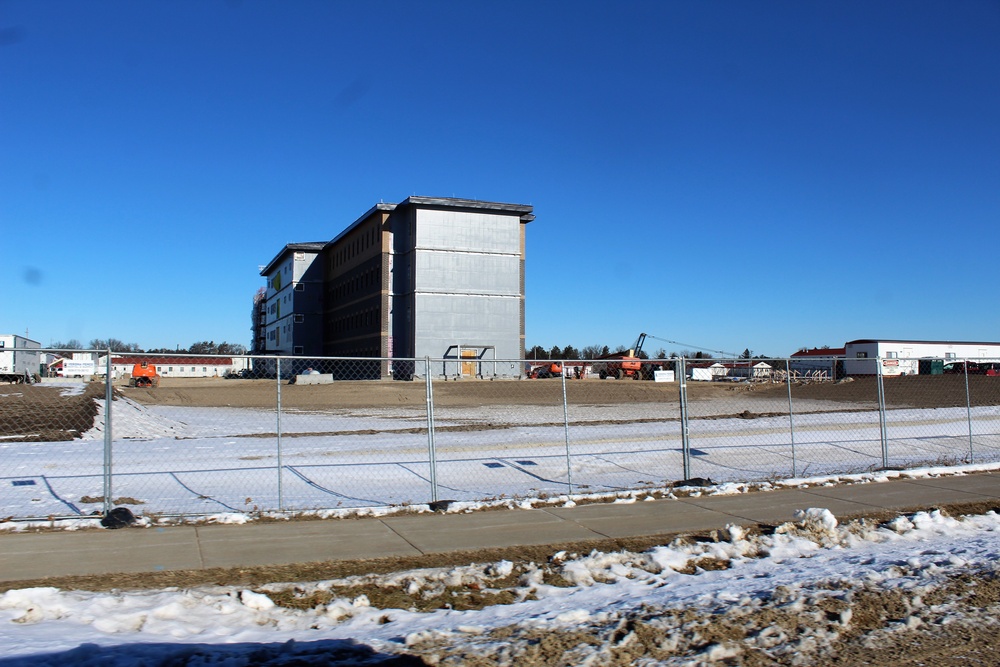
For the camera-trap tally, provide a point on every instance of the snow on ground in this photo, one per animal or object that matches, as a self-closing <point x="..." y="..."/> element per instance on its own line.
<point x="245" y="515"/>
<point x="789" y="595"/>
<point x="207" y="461"/>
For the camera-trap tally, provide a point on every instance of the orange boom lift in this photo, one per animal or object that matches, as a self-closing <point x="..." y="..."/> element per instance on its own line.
<point x="144" y="375"/>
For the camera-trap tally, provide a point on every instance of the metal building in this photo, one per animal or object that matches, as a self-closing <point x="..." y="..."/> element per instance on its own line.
<point x="902" y="357"/>
<point x="428" y="277"/>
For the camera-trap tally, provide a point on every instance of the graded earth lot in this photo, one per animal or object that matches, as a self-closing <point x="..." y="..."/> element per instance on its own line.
<point x="42" y="413"/>
<point x="914" y="391"/>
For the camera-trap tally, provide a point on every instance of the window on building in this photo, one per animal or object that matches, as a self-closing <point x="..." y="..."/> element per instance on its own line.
<point x="862" y="355"/>
<point x="891" y="355"/>
<point x="949" y="355"/>
<point x="299" y="319"/>
<point x="300" y="287"/>
<point x="297" y="349"/>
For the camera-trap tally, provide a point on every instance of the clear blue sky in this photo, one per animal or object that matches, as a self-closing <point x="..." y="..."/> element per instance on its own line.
<point x="731" y="175"/>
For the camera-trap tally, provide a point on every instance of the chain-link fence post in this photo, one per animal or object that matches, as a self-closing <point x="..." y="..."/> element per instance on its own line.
<point x="791" y="415"/>
<point x="431" y="454"/>
<point x="685" y="434"/>
<point x="108" y="468"/>
<point x="968" y="412"/>
<point x="569" y="467"/>
<point x="277" y="365"/>
<point x="883" y="434"/>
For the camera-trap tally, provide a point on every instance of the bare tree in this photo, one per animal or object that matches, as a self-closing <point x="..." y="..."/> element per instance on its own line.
<point x="210" y="347"/>
<point x="71" y="344"/>
<point x="114" y="345"/>
<point x="204" y="347"/>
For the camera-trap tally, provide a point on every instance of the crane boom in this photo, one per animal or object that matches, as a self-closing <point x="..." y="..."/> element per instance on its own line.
<point x="674" y="342"/>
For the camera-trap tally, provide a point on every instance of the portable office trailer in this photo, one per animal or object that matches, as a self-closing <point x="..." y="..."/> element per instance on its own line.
<point x="19" y="362"/>
<point x="903" y="357"/>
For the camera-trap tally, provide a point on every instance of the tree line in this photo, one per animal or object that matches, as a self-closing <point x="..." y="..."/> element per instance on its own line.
<point x="115" y="345"/>
<point x="571" y="353"/>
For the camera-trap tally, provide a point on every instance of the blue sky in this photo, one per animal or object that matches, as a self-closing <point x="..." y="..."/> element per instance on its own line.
<point x="763" y="175"/>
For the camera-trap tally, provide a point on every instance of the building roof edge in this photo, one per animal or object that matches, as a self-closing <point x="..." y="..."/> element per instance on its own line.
<point x="312" y="246"/>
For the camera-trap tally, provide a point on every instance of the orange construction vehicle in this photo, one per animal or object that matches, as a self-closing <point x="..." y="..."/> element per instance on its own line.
<point x="623" y="364"/>
<point x="552" y="370"/>
<point x="144" y="375"/>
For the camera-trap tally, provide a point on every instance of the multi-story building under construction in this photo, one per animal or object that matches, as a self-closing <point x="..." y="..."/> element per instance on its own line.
<point x="428" y="277"/>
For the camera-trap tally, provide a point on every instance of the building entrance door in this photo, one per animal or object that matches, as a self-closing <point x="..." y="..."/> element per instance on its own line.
<point x="468" y="367"/>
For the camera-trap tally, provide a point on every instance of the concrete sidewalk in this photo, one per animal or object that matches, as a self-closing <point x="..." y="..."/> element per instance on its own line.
<point x="133" y="550"/>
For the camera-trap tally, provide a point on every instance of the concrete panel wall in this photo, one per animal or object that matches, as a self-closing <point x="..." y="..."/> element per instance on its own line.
<point x="469" y="231"/>
<point x="468" y="288"/>
<point x="467" y="273"/>
<point x="446" y="320"/>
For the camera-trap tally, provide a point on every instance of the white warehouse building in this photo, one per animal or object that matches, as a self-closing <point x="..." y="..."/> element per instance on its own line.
<point x="18" y="358"/>
<point x="903" y="357"/>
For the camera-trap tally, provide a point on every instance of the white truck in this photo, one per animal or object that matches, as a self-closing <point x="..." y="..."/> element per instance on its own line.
<point x="18" y="362"/>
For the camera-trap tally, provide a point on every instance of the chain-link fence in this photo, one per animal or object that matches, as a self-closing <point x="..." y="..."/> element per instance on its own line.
<point x="170" y="435"/>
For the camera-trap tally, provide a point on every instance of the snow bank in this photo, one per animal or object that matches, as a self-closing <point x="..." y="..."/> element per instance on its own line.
<point x="792" y="571"/>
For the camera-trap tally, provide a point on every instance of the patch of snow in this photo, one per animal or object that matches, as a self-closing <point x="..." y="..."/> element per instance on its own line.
<point x="790" y="571"/>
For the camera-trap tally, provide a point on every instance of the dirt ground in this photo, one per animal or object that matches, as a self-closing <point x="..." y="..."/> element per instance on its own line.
<point x="912" y="391"/>
<point x="36" y="413"/>
<point x="39" y="413"/>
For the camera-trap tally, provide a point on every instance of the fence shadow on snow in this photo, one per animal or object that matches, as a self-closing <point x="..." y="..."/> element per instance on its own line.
<point x="273" y="434"/>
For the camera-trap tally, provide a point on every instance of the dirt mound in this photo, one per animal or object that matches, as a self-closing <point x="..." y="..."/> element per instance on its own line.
<point x="40" y="413"/>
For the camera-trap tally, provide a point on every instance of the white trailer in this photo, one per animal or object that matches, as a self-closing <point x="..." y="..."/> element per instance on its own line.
<point x="903" y="357"/>
<point x="80" y="365"/>
<point x="19" y="362"/>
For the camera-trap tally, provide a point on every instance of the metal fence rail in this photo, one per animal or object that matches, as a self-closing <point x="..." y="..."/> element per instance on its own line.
<point x="215" y="435"/>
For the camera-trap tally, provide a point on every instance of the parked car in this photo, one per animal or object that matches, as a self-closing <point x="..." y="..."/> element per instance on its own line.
<point x="959" y="368"/>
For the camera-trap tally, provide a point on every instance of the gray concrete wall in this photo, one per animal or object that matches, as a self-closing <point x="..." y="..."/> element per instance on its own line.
<point x="467" y="286"/>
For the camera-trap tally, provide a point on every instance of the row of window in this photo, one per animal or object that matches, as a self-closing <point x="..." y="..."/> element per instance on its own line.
<point x="359" y="282"/>
<point x="895" y="355"/>
<point x="365" y="319"/>
<point x="349" y="249"/>
<point x="274" y="282"/>
<point x="285" y="328"/>
<point x="344" y="351"/>
<point x="275" y="307"/>
<point x="169" y="369"/>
